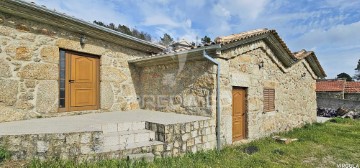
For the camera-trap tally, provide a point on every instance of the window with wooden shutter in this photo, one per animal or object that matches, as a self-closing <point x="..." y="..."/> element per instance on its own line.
<point x="269" y="100"/>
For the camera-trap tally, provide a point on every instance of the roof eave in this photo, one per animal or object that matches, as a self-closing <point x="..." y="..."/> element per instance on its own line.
<point x="315" y="65"/>
<point x="43" y="15"/>
<point x="186" y="55"/>
<point x="274" y="42"/>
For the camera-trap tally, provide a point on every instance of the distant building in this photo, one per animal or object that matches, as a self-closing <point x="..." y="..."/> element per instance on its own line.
<point x="338" y="88"/>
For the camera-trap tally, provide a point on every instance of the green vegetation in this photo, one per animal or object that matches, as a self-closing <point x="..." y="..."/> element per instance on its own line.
<point x="4" y="154"/>
<point x="319" y="145"/>
<point x="126" y="30"/>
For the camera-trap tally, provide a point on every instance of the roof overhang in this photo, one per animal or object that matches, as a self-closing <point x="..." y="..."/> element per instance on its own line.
<point x="43" y="15"/>
<point x="273" y="41"/>
<point x="315" y="65"/>
<point x="175" y="57"/>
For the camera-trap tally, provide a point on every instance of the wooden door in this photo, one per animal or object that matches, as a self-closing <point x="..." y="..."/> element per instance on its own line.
<point x="83" y="82"/>
<point x="238" y="115"/>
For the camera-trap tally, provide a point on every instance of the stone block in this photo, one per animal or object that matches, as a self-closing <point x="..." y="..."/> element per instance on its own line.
<point x="159" y="148"/>
<point x="24" y="105"/>
<point x="183" y="147"/>
<point x="47" y="96"/>
<point x="198" y="140"/>
<point x="194" y="133"/>
<point x="185" y="137"/>
<point x="106" y="95"/>
<point x="190" y="142"/>
<point x="85" y="138"/>
<point x="161" y="128"/>
<point x="75" y="46"/>
<point x="5" y="70"/>
<point x="42" y="146"/>
<point x="188" y="127"/>
<point x="30" y="83"/>
<point x="154" y="127"/>
<point x="72" y="138"/>
<point x="23" y="53"/>
<point x="194" y="149"/>
<point x="161" y="137"/>
<point x="169" y="138"/>
<point x="169" y="147"/>
<point x="111" y="74"/>
<point x="40" y="71"/>
<point x="85" y="149"/>
<point x="175" y="152"/>
<point x="176" y="144"/>
<point x="196" y="125"/>
<point x="110" y="127"/>
<point x="8" y="91"/>
<point x="177" y="128"/>
<point x="50" y="54"/>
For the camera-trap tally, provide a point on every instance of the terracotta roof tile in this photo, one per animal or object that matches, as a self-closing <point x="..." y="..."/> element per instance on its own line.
<point x="240" y="36"/>
<point x="330" y="85"/>
<point x="250" y="34"/>
<point x="352" y="87"/>
<point x="302" y="54"/>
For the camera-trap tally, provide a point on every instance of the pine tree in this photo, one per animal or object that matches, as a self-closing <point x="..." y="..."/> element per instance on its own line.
<point x="166" y="40"/>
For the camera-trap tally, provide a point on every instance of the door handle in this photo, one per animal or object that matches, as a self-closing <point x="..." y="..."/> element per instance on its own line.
<point x="71" y="81"/>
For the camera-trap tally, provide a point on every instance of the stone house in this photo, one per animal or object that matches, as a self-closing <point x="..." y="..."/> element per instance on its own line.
<point x="249" y="84"/>
<point x="259" y="83"/>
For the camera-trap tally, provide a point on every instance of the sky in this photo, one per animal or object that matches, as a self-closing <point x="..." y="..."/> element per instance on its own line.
<point x="330" y="28"/>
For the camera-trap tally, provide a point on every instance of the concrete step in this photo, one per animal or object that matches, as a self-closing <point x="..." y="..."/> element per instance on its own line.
<point x="128" y="137"/>
<point x="148" y="157"/>
<point x="110" y="148"/>
<point x="126" y="126"/>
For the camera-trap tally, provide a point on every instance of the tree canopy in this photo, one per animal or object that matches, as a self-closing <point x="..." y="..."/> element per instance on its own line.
<point x="357" y="71"/>
<point x="166" y="40"/>
<point x="206" y="40"/>
<point x="344" y="76"/>
<point x="126" y="30"/>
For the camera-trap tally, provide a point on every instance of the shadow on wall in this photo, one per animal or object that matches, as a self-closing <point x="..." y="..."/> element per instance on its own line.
<point x="186" y="88"/>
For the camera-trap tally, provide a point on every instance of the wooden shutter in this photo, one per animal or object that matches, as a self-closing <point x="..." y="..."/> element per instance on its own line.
<point x="269" y="100"/>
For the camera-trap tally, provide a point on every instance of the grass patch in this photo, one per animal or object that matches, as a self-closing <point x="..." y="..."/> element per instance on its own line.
<point x="319" y="145"/>
<point x="4" y="154"/>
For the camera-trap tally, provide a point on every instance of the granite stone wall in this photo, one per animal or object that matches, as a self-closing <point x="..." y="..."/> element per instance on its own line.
<point x="295" y="97"/>
<point x="186" y="137"/>
<point x="352" y="96"/>
<point x="187" y="88"/>
<point x="178" y="139"/>
<point x="334" y="95"/>
<point x="352" y="105"/>
<point x="29" y="71"/>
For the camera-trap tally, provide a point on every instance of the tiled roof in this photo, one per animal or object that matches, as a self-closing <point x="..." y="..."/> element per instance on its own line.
<point x="352" y="87"/>
<point x="337" y="86"/>
<point x="302" y="54"/>
<point x="310" y="57"/>
<point x="250" y="34"/>
<point x="330" y="85"/>
<point x="223" y="41"/>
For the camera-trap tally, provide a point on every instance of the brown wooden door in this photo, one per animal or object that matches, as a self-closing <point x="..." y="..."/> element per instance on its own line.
<point x="83" y="82"/>
<point x="238" y="115"/>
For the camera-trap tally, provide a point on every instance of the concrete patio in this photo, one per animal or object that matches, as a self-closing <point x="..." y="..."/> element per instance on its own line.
<point x="92" y="122"/>
<point x="108" y="135"/>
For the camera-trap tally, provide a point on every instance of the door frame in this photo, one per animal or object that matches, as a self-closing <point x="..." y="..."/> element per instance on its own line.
<point x="67" y="56"/>
<point x="245" y="124"/>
